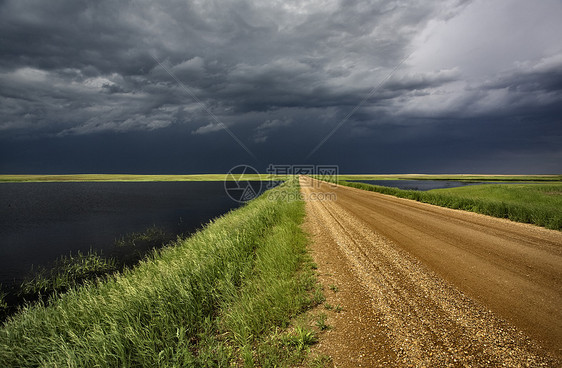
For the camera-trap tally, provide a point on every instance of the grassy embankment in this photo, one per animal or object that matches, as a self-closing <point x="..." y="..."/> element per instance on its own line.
<point x="131" y="177"/>
<point x="226" y="295"/>
<point x="539" y="204"/>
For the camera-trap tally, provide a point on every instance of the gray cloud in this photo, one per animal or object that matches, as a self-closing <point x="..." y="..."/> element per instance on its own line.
<point x="239" y="56"/>
<point x="264" y="130"/>
<point x="543" y="76"/>
<point x="271" y="69"/>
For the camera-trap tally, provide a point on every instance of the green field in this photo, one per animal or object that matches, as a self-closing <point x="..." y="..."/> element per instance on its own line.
<point x="132" y="177"/>
<point x="540" y="195"/>
<point x="457" y="177"/>
<point x="229" y="295"/>
<point x="539" y="204"/>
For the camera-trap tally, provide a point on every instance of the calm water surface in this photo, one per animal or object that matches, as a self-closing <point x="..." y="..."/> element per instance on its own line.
<point x="41" y="221"/>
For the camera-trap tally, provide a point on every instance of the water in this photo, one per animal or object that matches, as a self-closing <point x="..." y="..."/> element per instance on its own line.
<point x="41" y="221"/>
<point x="419" y="184"/>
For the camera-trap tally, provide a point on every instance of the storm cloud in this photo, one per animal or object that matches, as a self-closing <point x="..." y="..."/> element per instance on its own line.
<point x="144" y="86"/>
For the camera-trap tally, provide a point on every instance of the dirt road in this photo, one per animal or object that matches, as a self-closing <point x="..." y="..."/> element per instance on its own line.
<point x="421" y="285"/>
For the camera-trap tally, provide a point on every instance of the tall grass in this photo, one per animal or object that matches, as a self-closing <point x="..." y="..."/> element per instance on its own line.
<point x="67" y="271"/>
<point x="214" y="299"/>
<point x="538" y="204"/>
<point x="3" y="303"/>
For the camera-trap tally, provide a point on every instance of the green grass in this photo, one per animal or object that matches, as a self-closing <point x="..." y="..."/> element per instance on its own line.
<point x="543" y="195"/>
<point x="3" y="303"/>
<point x="225" y="296"/>
<point x="321" y="322"/>
<point x="153" y="235"/>
<point x="459" y="177"/>
<point x="68" y="271"/>
<point x="131" y="177"/>
<point x="539" y="204"/>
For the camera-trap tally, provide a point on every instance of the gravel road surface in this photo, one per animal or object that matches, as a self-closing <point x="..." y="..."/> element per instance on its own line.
<point x="420" y="285"/>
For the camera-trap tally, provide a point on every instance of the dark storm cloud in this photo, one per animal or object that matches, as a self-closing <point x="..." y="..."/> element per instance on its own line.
<point x="76" y="64"/>
<point x="279" y="73"/>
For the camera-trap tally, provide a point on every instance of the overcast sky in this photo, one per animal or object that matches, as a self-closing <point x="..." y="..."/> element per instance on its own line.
<point x="182" y="86"/>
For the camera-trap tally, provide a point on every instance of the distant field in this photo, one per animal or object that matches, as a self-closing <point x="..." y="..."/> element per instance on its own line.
<point x="222" y="177"/>
<point x="544" y="195"/>
<point x="460" y="177"/>
<point x="131" y="177"/>
<point x="539" y="203"/>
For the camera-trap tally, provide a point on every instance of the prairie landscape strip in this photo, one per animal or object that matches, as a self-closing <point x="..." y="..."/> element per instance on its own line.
<point x="226" y="296"/>
<point x="135" y="177"/>
<point x="454" y="177"/>
<point x="538" y="204"/>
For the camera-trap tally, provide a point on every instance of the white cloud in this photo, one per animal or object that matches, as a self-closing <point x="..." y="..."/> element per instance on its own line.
<point x="194" y="64"/>
<point x="495" y="52"/>
<point x="98" y="82"/>
<point x="490" y="36"/>
<point x="209" y="128"/>
<point x="264" y="130"/>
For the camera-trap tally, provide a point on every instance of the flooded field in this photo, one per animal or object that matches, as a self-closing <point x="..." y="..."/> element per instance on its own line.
<point x="42" y="221"/>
